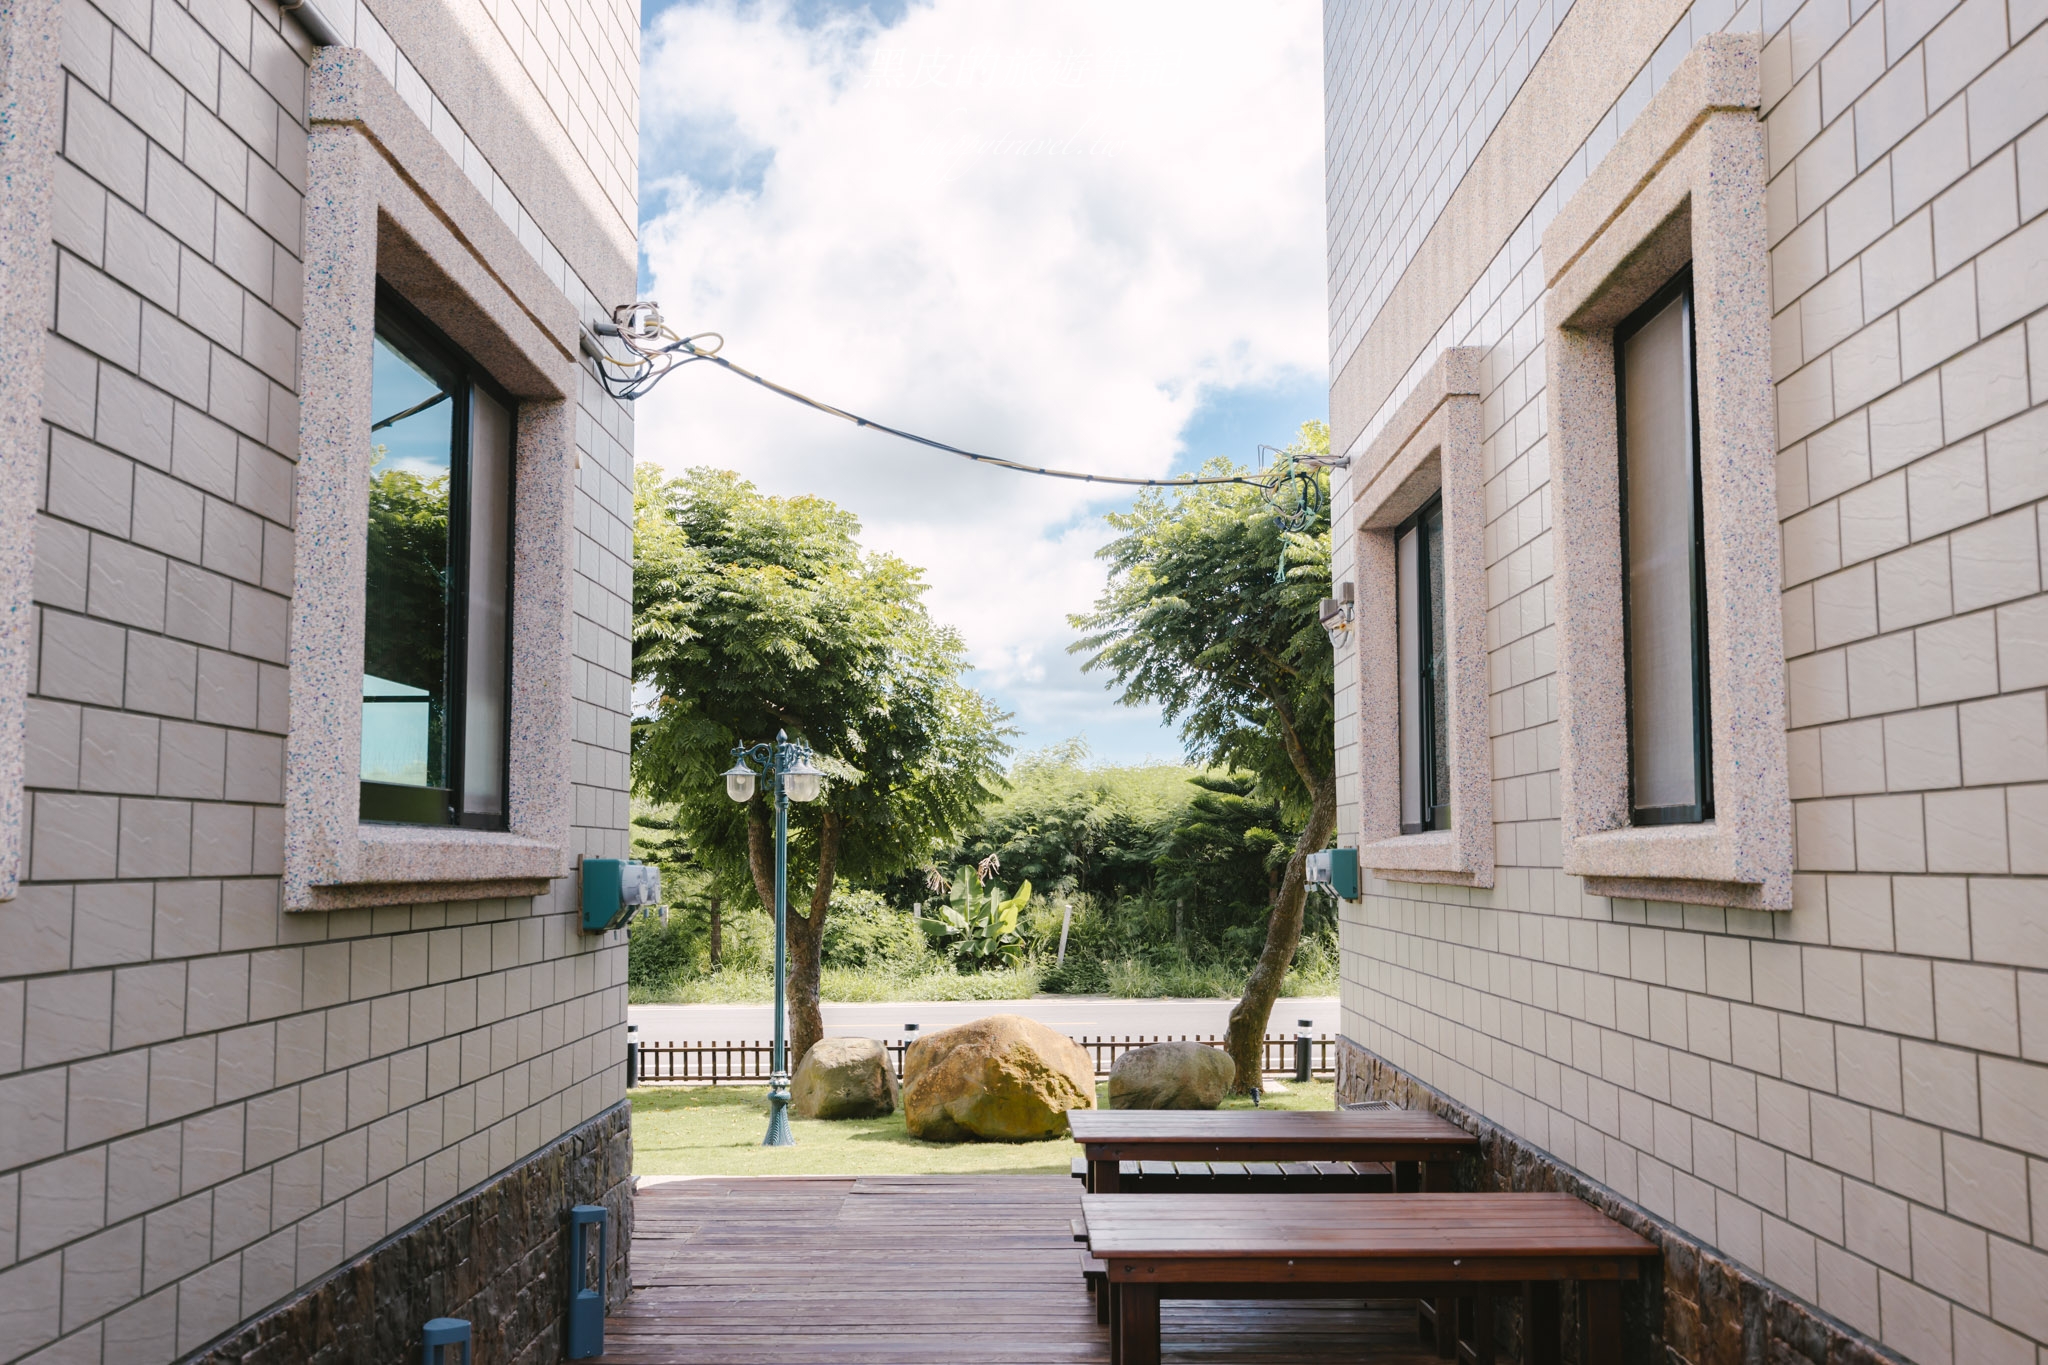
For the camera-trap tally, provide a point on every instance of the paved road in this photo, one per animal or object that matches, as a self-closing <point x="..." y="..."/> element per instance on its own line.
<point x="1086" y="1016"/>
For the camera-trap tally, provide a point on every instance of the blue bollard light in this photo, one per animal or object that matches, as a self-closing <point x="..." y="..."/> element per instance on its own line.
<point x="586" y="1302"/>
<point x="440" y="1337"/>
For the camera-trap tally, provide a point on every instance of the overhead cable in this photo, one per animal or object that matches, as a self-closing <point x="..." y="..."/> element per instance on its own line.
<point x="657" y="350"/>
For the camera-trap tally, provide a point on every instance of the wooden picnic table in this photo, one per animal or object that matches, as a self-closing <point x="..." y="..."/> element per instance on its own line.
<point x="1196" y="1246"/>
<point x="1404" y="1137"/>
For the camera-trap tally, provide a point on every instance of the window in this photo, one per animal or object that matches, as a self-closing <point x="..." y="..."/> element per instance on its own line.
<point x="435" y="662"/>
<point x="431" y="745"/>
<point x="1672" y="779"/>
<point x="1416" y="494"/>
<point x="1664" y="551"/>
<point x="1425" y="687"/>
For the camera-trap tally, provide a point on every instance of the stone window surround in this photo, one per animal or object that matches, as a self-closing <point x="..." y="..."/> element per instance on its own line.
<point x="29" y="73"/>
<point x="386" y="200"/>
<point x="1432" y="444"/>
<point x="1684" y="184"/>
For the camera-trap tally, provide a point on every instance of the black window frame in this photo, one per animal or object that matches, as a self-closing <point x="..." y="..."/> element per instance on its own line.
<point x="1436" y="805"/>
<point x="397" y="803"/>
<point x="1701" y="809"/>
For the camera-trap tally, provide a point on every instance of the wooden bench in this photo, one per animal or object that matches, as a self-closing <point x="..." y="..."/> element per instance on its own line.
<point x="1247" y="1177"/>
<point x="1268" y="1146"/>
<point x="1441" y="1246"/>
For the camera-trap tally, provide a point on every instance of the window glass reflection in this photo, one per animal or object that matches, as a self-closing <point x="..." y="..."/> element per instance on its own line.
<point x="405" y="701"/>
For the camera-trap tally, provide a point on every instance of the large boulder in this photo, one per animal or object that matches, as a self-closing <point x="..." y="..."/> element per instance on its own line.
<point x="844" y="1078"/>
<point x="1180" y="1075"/>
<point x="1000" y="1079"/>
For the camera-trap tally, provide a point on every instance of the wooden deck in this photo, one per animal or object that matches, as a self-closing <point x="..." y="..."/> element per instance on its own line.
<point x="896" y="1270"/>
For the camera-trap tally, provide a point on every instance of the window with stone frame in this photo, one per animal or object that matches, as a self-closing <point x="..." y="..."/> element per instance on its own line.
<point x="1425" y="761"/>
<point x="1670" y="672"/>
<point x="431" y="712"/>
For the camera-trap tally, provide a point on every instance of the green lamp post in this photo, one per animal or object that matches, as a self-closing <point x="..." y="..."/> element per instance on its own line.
<point x="795" y="780"/>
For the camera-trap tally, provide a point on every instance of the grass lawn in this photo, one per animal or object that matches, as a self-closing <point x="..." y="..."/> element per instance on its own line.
<point x="716" y="1130"/>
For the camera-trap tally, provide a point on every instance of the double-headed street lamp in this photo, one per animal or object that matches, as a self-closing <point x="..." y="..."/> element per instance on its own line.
<point x="795" y="780"/>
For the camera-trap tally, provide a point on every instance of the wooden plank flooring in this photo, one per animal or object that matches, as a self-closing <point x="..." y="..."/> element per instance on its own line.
<point x="900" y="1270"/>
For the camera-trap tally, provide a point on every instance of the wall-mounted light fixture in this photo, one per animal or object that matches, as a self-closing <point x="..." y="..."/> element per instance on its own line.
<point x="1337" y="612"/>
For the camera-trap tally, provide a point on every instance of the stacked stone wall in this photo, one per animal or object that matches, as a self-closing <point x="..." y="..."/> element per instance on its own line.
<point x="497" y="1256"/>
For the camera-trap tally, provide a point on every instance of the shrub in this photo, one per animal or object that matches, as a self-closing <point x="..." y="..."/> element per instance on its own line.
<point x="865" y="931"/>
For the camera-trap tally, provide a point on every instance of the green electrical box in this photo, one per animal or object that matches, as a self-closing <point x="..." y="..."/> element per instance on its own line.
<point x="1336" y="868"/>
<point x="613" y="888"/>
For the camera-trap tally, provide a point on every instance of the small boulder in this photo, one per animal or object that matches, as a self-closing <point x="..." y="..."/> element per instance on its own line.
<point x="844" y="1078"/>
<point x="1000" y="1079"/>
<point x="1179" y="1075"/>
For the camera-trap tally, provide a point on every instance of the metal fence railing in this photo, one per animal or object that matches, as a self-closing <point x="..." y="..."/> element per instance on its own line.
<point x="751" y="1060"/>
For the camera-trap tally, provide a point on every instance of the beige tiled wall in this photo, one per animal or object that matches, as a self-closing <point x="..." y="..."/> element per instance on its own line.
<point x="205" y="1103"/>
<point x="584" y="56"/>
<point x="1848" y="1097"/>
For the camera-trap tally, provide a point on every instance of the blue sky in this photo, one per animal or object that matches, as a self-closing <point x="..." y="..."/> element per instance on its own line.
<point x="1076" y="234"/>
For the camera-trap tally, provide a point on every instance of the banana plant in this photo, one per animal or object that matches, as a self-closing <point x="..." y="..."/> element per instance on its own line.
<point x="977" y="924"/>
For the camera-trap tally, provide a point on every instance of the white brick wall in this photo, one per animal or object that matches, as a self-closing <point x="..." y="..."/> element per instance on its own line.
<point x="1848" y="1097"/>
<point x="210" y="1103"/>
<point x="1409" y="105"/>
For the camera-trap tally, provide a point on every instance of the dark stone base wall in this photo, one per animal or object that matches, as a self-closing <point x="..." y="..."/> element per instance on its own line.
<point x="496" y="1255"/>
<point x="1699" y="1308"/>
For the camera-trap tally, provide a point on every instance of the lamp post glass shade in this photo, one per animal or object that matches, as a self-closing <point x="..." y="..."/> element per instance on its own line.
<point x="802" y="781"/>
<point x="739" y="782"/>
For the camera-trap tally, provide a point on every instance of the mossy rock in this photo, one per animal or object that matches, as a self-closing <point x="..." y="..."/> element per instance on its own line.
<point x="844" y="1078"/>
<point x="1000" y="1079"/>
<point x="1175" y="1075"/>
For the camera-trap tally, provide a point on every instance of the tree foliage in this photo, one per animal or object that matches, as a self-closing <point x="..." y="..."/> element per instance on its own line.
<point x="1211" y="612"/>
<point x="756" y="614"/>
<point x="408" y="577"/>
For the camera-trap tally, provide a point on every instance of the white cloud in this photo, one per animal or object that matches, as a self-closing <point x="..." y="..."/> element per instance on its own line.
<point x="1044" y="231"/>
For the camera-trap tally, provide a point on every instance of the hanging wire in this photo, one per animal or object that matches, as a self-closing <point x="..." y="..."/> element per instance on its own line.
<point x="657" y="350"/>
<point x="1290" y="488"/>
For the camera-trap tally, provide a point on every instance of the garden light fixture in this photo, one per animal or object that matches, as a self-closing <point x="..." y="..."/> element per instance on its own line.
<point x="796" y="779"/>
<point x="802" y="781"/>
<point x="739" y="782"/>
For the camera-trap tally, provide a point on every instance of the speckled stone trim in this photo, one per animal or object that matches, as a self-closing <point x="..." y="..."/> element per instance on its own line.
<point x="496" y="1255"/>
<point x="29" y="53"/>
<point x="346" y="90"/>
<point x="1432" y="444"/>
<point x="1698" y="1307"/>
<point x="371" y="211"/>
<point x="1685" y="184"/>
<point x="1598" y="48"/>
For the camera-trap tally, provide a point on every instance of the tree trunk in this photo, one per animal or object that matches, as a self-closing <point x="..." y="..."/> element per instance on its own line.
<point x="807" y="948"/>
<point x="1245" y="1040"/>
<point x="806" y="932"/>
<point x="717" y="933"/>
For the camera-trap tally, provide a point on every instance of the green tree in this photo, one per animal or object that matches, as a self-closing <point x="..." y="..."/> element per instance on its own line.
<point x="688" y="887"/>
<point x="1066" y="825"/>
<point x="1220" y="863"/>
<point x="1211" y="612"/>
<point x="754" y="614"/>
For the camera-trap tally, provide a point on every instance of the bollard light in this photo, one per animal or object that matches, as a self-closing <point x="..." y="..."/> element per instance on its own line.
<point x="440" y="1337"/>
<point x="586" y="1301"/>
<point x="632" y="1057"/>
<point x="1303" y="1041"/>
